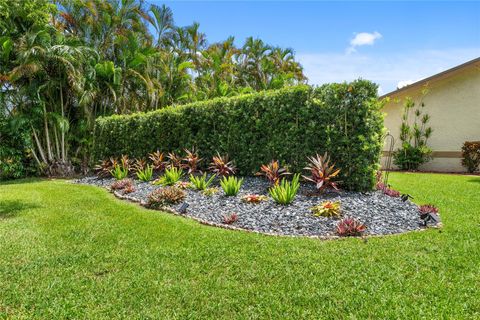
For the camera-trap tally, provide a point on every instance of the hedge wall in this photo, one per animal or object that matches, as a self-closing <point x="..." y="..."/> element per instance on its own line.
<point x="289" y="124"/>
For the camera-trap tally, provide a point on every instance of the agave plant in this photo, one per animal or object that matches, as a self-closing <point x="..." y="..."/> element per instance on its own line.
<point x="191" y="161"/>
<point x="322" y="173"/>
<point x="221" y="166"/>
<point x="157" y="159"/>
<point x="273" y="172"/>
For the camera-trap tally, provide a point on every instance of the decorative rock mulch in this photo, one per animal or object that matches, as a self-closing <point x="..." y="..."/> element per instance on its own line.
<point x="380" y="213"/>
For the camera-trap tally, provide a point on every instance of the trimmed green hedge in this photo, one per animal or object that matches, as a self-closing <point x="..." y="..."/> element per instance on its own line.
<point x="289" y="124"/>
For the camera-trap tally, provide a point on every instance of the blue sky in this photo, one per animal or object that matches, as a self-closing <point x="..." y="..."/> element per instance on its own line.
<point x="387" y="42"/>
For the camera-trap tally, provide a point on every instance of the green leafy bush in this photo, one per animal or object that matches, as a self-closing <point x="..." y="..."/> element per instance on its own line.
<point x="471" y="156"/>
<point x="201" y="182"/>
<point x="288" y="125"/>
<point x="231" y="185"/>
<point x="285" y="191"/>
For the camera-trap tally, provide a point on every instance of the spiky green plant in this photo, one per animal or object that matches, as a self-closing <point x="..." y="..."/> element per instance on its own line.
<point x="201" y="182"/>
<point x="170" y="177"/>
<point x="284" y="192"/>
<point x="145" y="174"/>
<point x="231" y="185"/>
<point x="119" y="172"/>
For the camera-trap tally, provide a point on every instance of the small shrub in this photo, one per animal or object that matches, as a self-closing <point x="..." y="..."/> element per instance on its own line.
<point x="119" y="172"/>
<point x="201" y="182"/>
<point x="165" y="196"/>
<point x="157" y="159"/>
<point x="221" y="166"/>
<point x="121" y="184"/>
<point x="170" y="177"/>
<point x="230" y="218"/>
<point x="284" y="192"/>
<point x="145" y="174"/>
<point x="350" y="227"/>
<point x="191" y="161"/>
<point x="322" y="173"/>
<point x="428" y="208"/>
<point x="327" y="209"/>
<point x="210" y="191"/>
<point x="254" y="198"/>
<point x="174" y="161"/>
<point x="231" y="185"/>
<point x="471" y="156"/>
<point x="273" y="172"/>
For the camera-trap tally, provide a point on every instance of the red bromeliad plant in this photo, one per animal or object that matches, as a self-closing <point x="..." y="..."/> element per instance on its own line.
<point x="230" y="218"/>
<point x="428" y="208"/>
<point x="273" y="172"/>
<point x="129" y="189"/>
<point x="191" y="161"/>
<point x="105" y="167"/>
<point x="174" y="161"/>
<point x="157" y="159"/>
<point x="139" y="165"/>
<point x="221" y="166"/>
<point x="350" y="227"/>
<point x="322" y="173"/>
<point x="121" y="184"/>
<point x="254" y="198"/>
<point x="391" y="192"/>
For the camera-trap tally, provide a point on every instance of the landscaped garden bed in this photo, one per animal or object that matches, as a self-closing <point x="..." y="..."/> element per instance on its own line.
<point x="378" y="212"/>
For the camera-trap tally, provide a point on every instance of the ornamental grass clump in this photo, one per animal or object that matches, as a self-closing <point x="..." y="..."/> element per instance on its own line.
<point x="171" y="176"/>
<point x="273" y="172"/>
<point x="350" y="227"/>
<point x="231" y="185"/>
<point x="284" y="192"/>
<point x="201" y="182"/>
<point x="327" y="209"/>
<point x="165" y="197"/>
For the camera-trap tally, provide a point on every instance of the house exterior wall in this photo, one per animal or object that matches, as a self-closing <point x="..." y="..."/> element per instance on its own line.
<point x="454" y="106"/>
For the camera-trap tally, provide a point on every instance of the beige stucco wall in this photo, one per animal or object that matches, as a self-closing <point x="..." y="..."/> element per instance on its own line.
<point x="454" y="106"/>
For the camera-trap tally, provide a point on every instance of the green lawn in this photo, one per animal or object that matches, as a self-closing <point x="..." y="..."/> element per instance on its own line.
<point x="71" y="251"/>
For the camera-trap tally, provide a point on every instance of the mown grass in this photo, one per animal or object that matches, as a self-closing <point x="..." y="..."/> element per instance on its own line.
<point x="71" y="251"/>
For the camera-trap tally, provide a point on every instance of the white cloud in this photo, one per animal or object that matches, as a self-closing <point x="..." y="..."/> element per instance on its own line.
<point x="363" y="39"/>
<point x="405" y="83"/>
<point x="387" y="70"/>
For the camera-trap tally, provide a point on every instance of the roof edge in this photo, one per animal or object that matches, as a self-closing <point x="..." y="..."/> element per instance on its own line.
<point x="434" y="77"/>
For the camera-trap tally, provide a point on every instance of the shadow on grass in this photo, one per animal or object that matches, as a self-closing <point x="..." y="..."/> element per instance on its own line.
<point x="474" y="180"/>
<point x="10" y="208"/>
